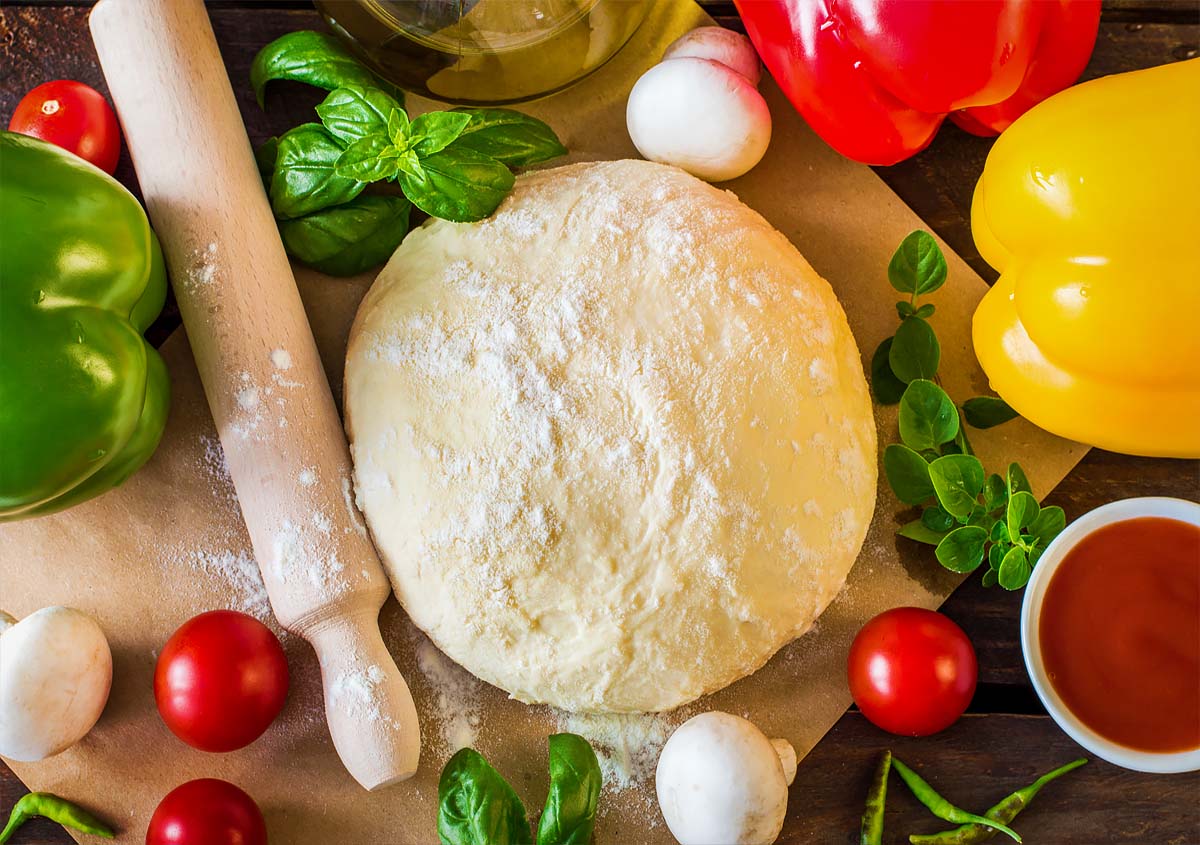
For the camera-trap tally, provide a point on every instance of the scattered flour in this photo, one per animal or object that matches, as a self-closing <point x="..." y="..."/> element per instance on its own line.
<point x="358" y="690"/>
<point x="240" y="571"/>
<point x="282" y="359"/>
<point x="456" y="697"/>
<point x="627" y="745"/>
<point x="201" y="270"/>
<point x="307" y="477"/>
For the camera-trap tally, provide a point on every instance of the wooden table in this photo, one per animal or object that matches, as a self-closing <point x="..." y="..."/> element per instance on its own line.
<point x="1006" y="737"/>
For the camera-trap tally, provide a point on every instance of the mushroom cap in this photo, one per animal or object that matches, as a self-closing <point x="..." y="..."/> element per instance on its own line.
<point x="700" y="116"/>
<point x="720" y="780"/>
<point x="730" y="48"/>
<point x="55" y="676"/>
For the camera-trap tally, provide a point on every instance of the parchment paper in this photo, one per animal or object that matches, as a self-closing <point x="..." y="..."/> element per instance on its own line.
<point x="136" y="558"/>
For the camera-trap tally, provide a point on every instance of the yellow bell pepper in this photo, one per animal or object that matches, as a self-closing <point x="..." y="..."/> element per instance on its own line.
<point x="1089" y="206"/>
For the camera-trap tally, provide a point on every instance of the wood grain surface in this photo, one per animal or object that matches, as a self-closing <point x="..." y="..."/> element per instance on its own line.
<point x="1006" y="739"/>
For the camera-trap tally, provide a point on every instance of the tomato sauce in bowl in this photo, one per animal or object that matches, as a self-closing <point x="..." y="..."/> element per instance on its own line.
<point x="1119" y="633"/>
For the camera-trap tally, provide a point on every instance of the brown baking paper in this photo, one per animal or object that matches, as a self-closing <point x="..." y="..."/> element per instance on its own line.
<point x="170" y="543"/>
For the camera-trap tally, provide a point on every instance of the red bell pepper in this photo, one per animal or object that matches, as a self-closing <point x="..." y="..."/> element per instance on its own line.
<point x="876" y="78"/>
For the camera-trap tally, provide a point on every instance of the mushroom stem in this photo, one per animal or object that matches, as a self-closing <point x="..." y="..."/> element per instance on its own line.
<point x="787" y="757"/>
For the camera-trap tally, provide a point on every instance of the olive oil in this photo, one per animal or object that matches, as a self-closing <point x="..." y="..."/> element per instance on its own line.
<point x="485" y="51"/>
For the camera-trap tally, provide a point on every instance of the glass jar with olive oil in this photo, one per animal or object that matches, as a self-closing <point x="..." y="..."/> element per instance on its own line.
<point x="485" y="51"/>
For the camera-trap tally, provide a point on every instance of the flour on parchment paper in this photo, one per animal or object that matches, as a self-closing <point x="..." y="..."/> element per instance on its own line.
<point x="626" y="744"/>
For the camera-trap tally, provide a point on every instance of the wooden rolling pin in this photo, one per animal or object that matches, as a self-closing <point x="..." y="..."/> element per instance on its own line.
<point x="254" y="349"/>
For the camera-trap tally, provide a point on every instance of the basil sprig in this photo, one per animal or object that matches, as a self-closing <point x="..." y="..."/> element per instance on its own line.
<point x="455" y="165"/>
<point x="968" y="515"/>
<point x="477" y="806"/>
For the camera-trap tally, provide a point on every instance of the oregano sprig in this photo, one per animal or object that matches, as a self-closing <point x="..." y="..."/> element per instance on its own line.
<point x="455" y="164"/>
<point x="968" y="515"/>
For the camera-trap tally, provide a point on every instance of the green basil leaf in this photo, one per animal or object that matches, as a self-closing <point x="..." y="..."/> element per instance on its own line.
<point x="936" y="519"/>
<point x="368" y="160"/>
<point x="349" y="238"/>
<point x="962" y="549"/>
<point x="918" y="265"/>
<point x="1017" y="480"/>
<point x="458" y="184"/>
<point x="983" y="519"/>
<point x="904" y="309"/>
<point x="1023" y="509"/>
<point x="569" y="816"/>
<point x="476" y="806"/>
<point x="961" y="444"/>
<point x="925" y="311"/>
<point x="353" y="112"/>
<point x="990" y="577"/>
<point x="1014" y="570"/>
<point x="1049" y="524"/>
<point x="997" y="551"/>
<point x="313" y="58"/>
<point x="264" y="157"/>
<point x="922" y="533"/>
<point x="915" y="351"/>
<point x="999" y="533"/>
<point x="305" y="178"/>
<point x="1035" y="554"/>
<point x="434" y="131"/>
<point x="957" y="481"/>
<point x="884" y="385"/>
<point x="987" y="411"/>
<point x="995" y="493"/>
<point x="512" y="138"/>
<point x="907" y="474"/>
<point x="927" y="416"/>
<point x="397" y="128"/>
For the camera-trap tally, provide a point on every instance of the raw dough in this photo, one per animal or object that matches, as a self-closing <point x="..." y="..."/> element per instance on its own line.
<point x="614" y="443"/>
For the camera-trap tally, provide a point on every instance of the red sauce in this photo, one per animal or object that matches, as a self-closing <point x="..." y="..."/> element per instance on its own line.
<point x="1120" y="633"/>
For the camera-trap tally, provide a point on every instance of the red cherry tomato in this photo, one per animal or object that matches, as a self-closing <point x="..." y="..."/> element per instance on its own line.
<point x="207" y="812"/>
<point x="912" y="671"/>
<point x="73" y="116"/>
<point x="221" y="680"/>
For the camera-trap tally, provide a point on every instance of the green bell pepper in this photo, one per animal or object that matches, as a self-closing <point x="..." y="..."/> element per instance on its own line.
<point x="83" y="396"/>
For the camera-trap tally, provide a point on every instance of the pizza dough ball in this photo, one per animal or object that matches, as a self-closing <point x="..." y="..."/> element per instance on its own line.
<point x="614" y="443"/>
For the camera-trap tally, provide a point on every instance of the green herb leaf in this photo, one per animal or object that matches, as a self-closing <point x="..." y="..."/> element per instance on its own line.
<point x="1014" y="570"/>
<point x="569" y="816"/>
<point x="1022" y="511"/>
<point x="995" y="493"/>
<point x="927" y="416"/>
<point x="398" y="127"/>
<point x="476" y="806"/>
<point x="1017" y="480"/>
<point x="512" y="138"/>
<point x="313" y="58"/>
<point x="904" y="309"/>
<point x="353" y="113"/>
<point x="369" y="160"/>
<point x="434" y="131"/>
<point x="962" y="549"/>
<point x="458" y="184"/>
<point x="349" y="238"/>
<point x="305" y="178"/>
<point x="990" y="577"/>
<point x="1035" y="554"/>
<point x="915" y="351"/>
<point x="918" y="265"/>
<point x="925" y="311"/>
<point x="987" y="411"/>
<point x="957" y="481"/>
<point x="884" y="385"/>
<point x="907" y="474"/>
<point x="1049" y="524"/>
<point x="999" y="532"/>
<point x="997" y="551"/>
<point x="922" y="533"/>
<point x="936" y="519"/>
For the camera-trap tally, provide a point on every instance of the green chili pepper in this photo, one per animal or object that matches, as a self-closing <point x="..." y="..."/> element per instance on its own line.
<point x="1004" y="812"/>
<point x="942" y="808"/>
<point x="57" y="810"/>
<point x="872" y="820"/>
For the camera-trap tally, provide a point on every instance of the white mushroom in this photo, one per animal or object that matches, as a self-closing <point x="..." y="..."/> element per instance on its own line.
<point x="55" y="675"/>
<point x="720" y="780"/>
<point x="730" y="48"/>
<point x="699" y="115"/>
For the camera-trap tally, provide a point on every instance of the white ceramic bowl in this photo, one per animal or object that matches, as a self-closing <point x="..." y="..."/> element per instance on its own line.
<point x="1035" y="592"/>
